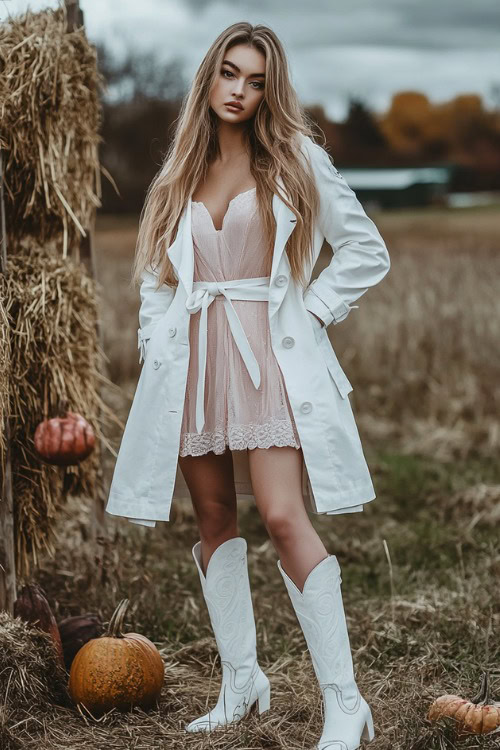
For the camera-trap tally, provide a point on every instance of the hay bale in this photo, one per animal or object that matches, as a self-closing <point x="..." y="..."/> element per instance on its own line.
<point x="31" y="676"/>
<point x="51" y="114"/>
<point x="51" y="305"/>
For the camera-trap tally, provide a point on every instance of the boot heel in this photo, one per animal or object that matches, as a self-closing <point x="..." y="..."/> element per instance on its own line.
<point x="264" y="700"/>
<point x="368" y="731"/>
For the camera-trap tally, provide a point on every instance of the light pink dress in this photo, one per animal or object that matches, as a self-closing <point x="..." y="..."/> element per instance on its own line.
<point x="237" y="414"/>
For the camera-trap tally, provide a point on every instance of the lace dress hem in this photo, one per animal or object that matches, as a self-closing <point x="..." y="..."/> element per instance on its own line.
<point x="277" y="432"/>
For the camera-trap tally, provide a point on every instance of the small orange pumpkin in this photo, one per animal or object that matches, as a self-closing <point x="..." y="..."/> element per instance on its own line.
<point x="64" y="440"/>
<point x="479" y="715"/>
<point x="117" y="670"/>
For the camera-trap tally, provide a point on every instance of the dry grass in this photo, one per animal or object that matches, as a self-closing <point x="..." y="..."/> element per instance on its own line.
<point x="31" y="678"/>
<point x="423" y="348"/>
<point x="419" y="627"/>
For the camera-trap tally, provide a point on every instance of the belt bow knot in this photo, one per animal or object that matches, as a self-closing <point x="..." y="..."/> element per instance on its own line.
<point x="203" y="294"/>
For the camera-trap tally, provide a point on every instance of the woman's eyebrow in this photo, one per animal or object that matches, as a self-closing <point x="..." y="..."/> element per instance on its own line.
<point x="252" y="75"/>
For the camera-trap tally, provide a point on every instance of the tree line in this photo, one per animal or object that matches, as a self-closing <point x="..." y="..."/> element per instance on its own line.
<point x="143" y="95"/>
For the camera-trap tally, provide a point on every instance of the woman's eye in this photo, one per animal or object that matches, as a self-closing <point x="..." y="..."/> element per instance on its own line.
<point x="259" y="85"/>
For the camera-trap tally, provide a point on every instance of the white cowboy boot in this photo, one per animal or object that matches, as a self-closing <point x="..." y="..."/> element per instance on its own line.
<point x="226" y="589"/>
<point x="320" y="612"/>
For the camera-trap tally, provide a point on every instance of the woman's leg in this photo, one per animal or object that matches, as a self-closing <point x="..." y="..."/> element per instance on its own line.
<point x="210" y="480"/>
<point x="276" y="475"/>
<point x="312" y="578"/>
<point x="226" y="588"/>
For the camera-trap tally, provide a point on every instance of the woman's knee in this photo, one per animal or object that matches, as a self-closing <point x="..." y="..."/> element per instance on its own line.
<point x="216" y="516"/>
<point x="280" y="524"/>
<point x="210" y="480"/>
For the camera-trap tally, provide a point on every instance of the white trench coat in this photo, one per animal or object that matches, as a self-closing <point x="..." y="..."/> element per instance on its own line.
<point x="336" y="478"/>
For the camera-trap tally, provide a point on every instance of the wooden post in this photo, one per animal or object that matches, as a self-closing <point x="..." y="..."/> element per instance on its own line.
<point x="7" y="548"/>
<point x="74" y="14"/>
<point x="87" y="256"/>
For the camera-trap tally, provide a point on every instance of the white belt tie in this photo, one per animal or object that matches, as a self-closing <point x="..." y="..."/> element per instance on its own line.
<point x="203" y="294"/>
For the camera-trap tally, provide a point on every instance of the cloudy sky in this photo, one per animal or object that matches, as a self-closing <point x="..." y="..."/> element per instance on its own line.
<point x="336" y="48"/>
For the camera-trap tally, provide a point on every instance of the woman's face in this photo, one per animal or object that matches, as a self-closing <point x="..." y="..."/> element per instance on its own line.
<point x="240" y="79"/>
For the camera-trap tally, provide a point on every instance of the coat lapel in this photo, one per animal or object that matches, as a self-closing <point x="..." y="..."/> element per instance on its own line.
<point x="181" y="252"/>
<point x="285" y="224"/>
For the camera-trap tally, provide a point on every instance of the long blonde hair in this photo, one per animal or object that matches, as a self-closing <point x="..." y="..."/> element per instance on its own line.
<point x="271" y="137"/>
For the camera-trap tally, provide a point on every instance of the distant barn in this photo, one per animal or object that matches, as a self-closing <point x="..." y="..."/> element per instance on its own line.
<point x="397" y="187"/>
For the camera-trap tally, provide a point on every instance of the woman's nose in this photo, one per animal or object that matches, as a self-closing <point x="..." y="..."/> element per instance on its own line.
<point x="238" y="88"/>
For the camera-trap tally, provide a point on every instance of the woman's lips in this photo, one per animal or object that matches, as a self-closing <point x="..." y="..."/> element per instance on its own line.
<point x="233" y="108"/>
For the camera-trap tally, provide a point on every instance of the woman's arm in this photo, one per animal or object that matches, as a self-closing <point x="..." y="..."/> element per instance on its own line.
<point x="360" y="257"/>
<point x="154" y="303"/>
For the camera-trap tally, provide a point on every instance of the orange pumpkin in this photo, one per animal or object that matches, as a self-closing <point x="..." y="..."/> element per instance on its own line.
<point x="479" y="715"/>
<point x="64" y="440"/>
<point x="117" y="670"/>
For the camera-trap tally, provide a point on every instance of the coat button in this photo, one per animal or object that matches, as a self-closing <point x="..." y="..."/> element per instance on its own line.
<point x="288" y="342"/>
<point x="156" y="363"/>
<point x="306" y="407"/>
<point x="281" y="280"/>
<point x="172" y="331"/>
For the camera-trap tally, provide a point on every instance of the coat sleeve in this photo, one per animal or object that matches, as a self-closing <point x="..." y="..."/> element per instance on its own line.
<point x="360" y="258"/>
<point x="154" y="303"/>
<point x="142" y="522"/>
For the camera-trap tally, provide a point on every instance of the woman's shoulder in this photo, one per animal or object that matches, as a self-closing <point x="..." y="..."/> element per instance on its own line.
<point x="318" y="156"/>
<point x="315" y="151"/>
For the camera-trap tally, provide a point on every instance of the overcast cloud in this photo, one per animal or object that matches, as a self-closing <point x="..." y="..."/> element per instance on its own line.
<point x="336" y="48"/>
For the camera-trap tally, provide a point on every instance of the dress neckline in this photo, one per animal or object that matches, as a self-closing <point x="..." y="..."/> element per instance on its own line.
<point x="218" y="231"/>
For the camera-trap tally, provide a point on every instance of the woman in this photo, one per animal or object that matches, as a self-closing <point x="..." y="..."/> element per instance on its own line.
<point x="248" y="366"/>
